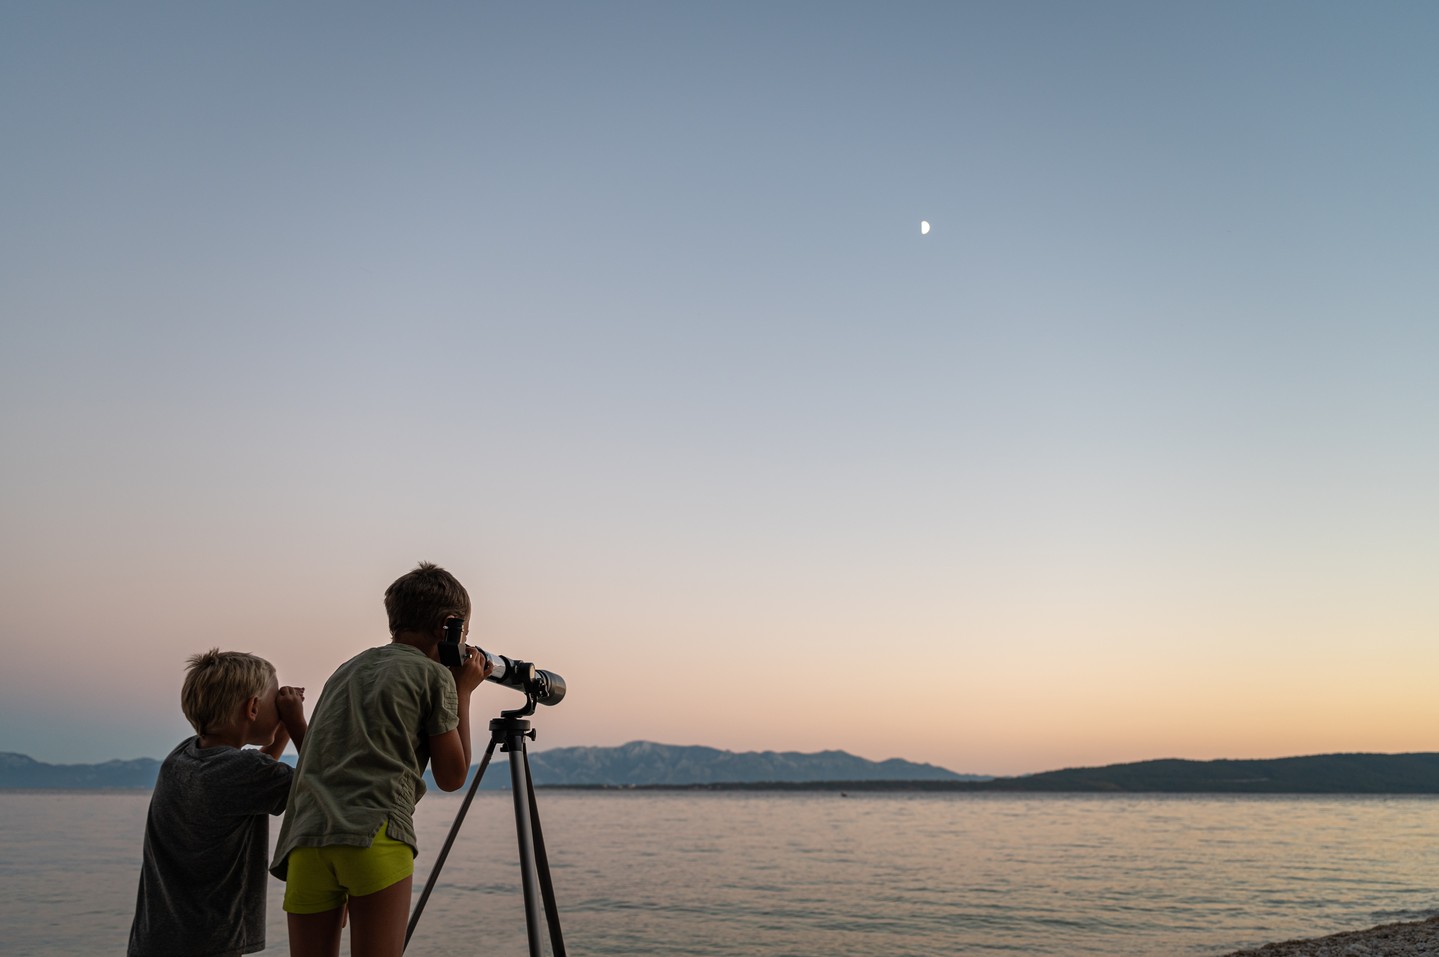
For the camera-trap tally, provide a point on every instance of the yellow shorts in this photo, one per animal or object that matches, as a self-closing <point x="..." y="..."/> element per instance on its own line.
<point x="323" y="878"/>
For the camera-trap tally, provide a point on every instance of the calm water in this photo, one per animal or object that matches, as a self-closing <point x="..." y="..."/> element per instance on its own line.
<point x="766" y="875"/>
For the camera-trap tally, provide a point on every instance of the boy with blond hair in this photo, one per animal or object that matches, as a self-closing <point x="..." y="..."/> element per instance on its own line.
<point x="348" y="837"/>
<point x="202" y="879"/>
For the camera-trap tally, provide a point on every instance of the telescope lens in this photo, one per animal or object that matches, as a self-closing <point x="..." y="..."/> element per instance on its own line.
<point x="551" y="687"/>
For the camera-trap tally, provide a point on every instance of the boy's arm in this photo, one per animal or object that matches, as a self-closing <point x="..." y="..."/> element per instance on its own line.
<point x="290" y="702"/>
<point x="450" y="752"/>
<point x="277" y="746"/>
<point x="448" y="760"/>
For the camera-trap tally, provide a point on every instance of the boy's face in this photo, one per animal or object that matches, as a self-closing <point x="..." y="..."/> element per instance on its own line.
<point x="267" y="721"/>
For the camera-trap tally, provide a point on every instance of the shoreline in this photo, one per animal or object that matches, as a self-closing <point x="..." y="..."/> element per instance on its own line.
<point x="1415" y="938"/>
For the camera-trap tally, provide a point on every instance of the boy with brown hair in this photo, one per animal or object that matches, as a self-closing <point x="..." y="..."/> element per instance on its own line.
<point x="348" y="837"/>
<point x="202" y="879"/>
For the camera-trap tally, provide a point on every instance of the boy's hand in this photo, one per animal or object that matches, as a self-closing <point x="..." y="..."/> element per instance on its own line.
<point x="473" y="672"/>
<point x="290" y="702"/>
<point x="290" y="709"/>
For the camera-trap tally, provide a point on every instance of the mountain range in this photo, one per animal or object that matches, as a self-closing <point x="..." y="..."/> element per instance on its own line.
<point x="639" y="763"/>
<point x="22" y="771"/>
<point x="645" y="764"/>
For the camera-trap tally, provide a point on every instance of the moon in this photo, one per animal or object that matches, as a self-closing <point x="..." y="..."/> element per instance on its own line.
<point x="924" y="227"/>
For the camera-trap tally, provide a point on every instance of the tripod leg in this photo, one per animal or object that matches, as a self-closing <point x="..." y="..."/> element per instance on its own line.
<point x="449" y="841"/>
<point x="542" y="865"/>
<point x="520" y="785"/>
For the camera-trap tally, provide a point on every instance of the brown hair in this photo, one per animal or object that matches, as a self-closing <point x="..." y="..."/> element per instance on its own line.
<point x="421" y="600"/>
<point x="218" y="682"/>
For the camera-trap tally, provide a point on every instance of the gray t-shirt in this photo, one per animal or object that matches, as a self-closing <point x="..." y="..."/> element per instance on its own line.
<point x="202" y="878"/>
<point x="365" y="751"/>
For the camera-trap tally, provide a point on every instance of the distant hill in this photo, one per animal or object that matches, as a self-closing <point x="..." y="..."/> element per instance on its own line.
<point x="1319" y="774"/>
<point x="636" y="763"/>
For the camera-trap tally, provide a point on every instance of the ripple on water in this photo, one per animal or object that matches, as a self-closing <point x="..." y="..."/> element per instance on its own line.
<point x="795" y="874"/>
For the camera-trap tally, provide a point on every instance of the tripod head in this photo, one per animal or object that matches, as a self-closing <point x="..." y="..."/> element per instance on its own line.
<point x="525" y="712"/>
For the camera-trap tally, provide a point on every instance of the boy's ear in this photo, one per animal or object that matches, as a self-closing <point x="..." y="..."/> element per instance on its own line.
<point x="252" y="708"/>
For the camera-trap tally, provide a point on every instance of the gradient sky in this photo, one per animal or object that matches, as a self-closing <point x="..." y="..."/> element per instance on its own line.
<point x="621" y="313"/>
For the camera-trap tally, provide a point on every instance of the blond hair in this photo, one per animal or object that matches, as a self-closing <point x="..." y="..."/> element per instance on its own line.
<point x="218" y="682"/>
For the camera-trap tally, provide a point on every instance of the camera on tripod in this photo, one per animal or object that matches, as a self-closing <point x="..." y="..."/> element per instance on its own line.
<point x="542" y="686"/>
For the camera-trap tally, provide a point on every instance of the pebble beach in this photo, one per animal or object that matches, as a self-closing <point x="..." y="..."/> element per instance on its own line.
<point x="1409" y="939"/>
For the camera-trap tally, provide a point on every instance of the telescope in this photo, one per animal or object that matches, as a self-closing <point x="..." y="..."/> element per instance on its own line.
<point x="546" y="687"/>
<point x="542" y="686"/>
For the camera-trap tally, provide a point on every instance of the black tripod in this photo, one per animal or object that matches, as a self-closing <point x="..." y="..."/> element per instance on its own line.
<point x="509" y="731"/>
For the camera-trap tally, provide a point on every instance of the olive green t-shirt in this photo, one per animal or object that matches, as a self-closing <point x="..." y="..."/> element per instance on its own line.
<point x="367" y="745"/>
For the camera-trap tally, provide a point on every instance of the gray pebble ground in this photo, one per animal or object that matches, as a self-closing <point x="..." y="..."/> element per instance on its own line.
<point x="1413" y="939"/>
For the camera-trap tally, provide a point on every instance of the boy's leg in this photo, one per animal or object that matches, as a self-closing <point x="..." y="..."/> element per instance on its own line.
<point x="378" y="921"/>
<point x="314" y="904"/>
<point x="316" y="935"/>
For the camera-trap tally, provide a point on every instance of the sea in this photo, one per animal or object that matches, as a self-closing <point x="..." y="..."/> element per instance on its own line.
<point x="767" y="874"/>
